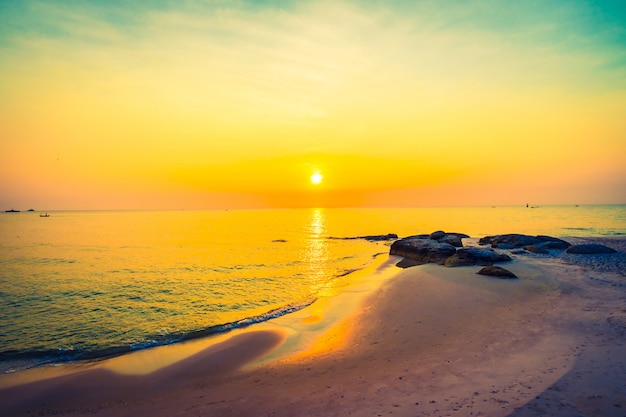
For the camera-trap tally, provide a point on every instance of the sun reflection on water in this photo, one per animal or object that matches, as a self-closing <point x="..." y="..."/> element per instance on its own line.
<point x="316" y="253"/>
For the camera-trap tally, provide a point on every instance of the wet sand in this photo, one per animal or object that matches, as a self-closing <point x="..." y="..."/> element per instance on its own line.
<point x="431" y="341"/>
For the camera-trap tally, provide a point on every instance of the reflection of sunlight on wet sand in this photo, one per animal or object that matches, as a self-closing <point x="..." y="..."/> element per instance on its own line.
<point x="325" y="326"/>
<point x="315" y="317"/>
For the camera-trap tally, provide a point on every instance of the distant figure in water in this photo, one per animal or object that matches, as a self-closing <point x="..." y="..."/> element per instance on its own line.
<point x="526" y="205"/>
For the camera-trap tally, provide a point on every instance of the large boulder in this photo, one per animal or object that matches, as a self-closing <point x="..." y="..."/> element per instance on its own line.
<point x="422" y="251"/>
<point x="475" y="256"/>
<point x="497" y="271"/>
<point x="589" y="249"/>
<point x="516" y="240"/>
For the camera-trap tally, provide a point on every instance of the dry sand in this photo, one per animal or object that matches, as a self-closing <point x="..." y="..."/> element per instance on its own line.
<point x="431" y="341"/>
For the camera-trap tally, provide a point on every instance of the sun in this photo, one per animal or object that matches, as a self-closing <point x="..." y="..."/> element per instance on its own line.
<point x="316" y="178"/>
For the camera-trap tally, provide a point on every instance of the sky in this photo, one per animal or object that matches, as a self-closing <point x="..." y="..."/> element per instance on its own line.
<point x="236" y="104"/>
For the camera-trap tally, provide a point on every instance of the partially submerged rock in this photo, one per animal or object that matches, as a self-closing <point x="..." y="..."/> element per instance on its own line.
<point x="476" y="256"/>
<point x="513" y="240"/>
<point x="496" y="271"/>
<point x="378" y="238"/>
<point x="371" y="238"/>
<point x="516" y="240"/>
<point x="589" y="249"/>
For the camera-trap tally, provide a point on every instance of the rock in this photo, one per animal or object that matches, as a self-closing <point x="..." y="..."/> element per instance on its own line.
<point x="536" y="249"/>
<point x="450" y="239"/>
<point x="437" y="235"/>
<point x="549" y="242"/>
<point x="512" y="239"/>
<point x="407" y="263"/>
<point x="475" y="256"/>
<point x="371" y="238"/>
<point x="422" y="236"/>
<point x="515" y="240"/>
<point x="422" y="250"/>
<point x="378" y="238"/>
<point x="589" y="249"/>
<point x="505" y="246"/>
<point x="441" y="248"/>
<point x="496" y="271"/>
<point x="453" y="239"/>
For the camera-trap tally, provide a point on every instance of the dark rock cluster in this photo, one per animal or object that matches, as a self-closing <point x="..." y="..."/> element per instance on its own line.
<point x="542" y="244"/>
<point x="422" y="250"/>
<point x="444" y="249"/>
<point x="447" y="249"/>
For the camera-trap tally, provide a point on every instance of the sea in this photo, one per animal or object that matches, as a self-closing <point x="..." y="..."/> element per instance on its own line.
<point x="86" y="285"/>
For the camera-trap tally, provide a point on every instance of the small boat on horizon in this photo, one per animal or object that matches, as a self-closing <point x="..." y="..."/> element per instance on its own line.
<point x="44" y="215"/>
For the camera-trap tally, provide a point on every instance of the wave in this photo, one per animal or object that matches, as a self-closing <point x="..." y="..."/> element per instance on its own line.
<point x="14" y="360"/>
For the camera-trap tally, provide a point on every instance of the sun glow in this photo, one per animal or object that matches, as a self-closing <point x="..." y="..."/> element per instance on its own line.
<point x="241" y="101"/>
<point x="316" y="178"/>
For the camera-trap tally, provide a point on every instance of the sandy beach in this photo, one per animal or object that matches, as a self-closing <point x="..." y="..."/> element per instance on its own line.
<point x="429" y="341"/>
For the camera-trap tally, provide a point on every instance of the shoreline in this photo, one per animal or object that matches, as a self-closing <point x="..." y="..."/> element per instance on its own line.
<point x="300" y="328"/>
<point x="429" y="340"/>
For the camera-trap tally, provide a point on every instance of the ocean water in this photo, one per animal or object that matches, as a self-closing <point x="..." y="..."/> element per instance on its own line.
<point x="82" y="285"/>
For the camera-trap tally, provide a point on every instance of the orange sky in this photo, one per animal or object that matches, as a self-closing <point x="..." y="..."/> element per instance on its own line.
<point x="236" y="105"/>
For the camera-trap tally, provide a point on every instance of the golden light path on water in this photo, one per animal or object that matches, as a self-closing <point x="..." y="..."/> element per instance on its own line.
<point x="317" y="252"/>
